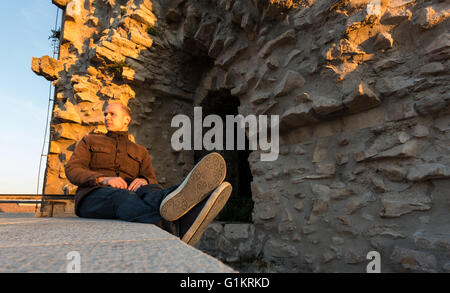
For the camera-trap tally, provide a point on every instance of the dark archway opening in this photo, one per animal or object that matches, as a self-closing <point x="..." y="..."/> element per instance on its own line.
<point x="240" y="205"/>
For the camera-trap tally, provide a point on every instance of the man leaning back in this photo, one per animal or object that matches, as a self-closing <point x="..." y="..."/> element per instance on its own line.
<point x="116" y="180"/>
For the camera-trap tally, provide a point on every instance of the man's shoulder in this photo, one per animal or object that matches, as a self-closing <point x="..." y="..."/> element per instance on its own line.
<point x="94" y="136"/>
<point x="137" y="146"/>
<point x="95" y="139"/>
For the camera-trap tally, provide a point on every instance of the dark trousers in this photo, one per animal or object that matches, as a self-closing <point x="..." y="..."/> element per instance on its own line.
<point x="113" y="203"/>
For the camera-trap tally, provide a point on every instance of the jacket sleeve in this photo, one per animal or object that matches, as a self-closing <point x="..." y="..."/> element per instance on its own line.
<point x="77" y="168"/>
<point x="146" y="170"/>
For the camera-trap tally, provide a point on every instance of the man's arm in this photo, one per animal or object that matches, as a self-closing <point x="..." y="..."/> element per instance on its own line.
<point x="77" y="168"/>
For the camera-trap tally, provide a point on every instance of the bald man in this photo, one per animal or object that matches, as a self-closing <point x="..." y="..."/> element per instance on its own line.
<point x="116" y="180"/>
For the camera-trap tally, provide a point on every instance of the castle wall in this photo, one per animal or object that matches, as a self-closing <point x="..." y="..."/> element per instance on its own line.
<point x="361" y="89"/>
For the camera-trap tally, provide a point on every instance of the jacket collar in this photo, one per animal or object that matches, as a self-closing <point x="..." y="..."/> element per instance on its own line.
<point x="117" y="134"/>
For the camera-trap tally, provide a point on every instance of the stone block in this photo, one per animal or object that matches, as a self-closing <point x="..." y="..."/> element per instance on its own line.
<point x="320" y="151"/>
<point x="400" y="3"/>
<point x="238" y="231"/>
<point x="393" y="172"/>
<point x="342" y="51"/>
<point x="229" y="55"/>
<point x="432" y="15"/>
<point x="388" y="231"/>
<point x="414" y="260"/>
<point x="285" y="38"/>
<point x="432" y="68"/>
<point x="439" y="49"/>
<point x="205" y="33"/>
<point x="341" y="193"/>
<point x="69" y="114"/>
<point x="397" y="85"/>
<point x="216" y="46"/>
<point x="355" y="256"/>
<point x="320" y="205"/>
<point x="383" y="41"/>
<point x="430" y="104"/>
<point x="290" y="81"/>
<point x="420" y="131"/>
<point x="144" y="16"/>
<point x="428" y="171"/>
<point x="357" y="203"/>
<point x="398" y="204"/>
<point x="408" y="149"/>
<point x="109" y="52"/>
<point x="302" y="19"/>
<point x="297" y="116"/>
<point x="400" y="111"/>
<point x="364" y="155"/>
<point x="386" y="63"/>
<point x="47" y="67"/>
<point x="362" y="98"/>
<point x="263" y="212"/>
<point x="320" y="190"/>
<point x="73" y="10"/>
<point x="432" y="241"/>
<point x="260" y="98"/>
<point x="140" y="38"/>
<point x="60" y="3"/>
<point x="278" y="248"/>
<point x="268" y="196"/>
<point x="87" y="97"/>
<point x="325" y="168"/>
<point x="396" y="17"/>
<point x="363" y="119"/>
<point x="326" y="105"/>
<point x="57" y="208"/>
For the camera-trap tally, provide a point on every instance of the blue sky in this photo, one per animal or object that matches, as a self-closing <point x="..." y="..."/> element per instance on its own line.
<point x="25" y="27"/>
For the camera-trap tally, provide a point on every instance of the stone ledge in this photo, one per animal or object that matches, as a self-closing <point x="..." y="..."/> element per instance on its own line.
<point x="41" y="245"/>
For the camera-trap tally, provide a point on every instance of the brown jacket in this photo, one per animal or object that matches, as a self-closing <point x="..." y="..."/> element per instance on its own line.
<point x="110" y="155"/>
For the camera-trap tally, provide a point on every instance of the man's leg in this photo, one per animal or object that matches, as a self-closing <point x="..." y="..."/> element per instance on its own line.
<point x="122" y="204"/>
<point x="154" y="194"/>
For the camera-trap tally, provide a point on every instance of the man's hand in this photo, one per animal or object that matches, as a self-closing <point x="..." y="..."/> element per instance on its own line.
<point x="116" y="182"/>
<point x="138" y="182"/>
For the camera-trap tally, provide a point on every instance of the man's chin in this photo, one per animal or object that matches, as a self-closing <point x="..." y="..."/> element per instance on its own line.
<point x="110" y="128"/>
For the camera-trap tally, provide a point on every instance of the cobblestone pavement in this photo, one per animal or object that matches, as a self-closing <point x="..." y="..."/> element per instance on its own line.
<point x="29" y="244"/>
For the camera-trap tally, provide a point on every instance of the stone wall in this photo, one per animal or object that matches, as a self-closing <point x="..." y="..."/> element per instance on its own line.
<point x="362" y="91"/>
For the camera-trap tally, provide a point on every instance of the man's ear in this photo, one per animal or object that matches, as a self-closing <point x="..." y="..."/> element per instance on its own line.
<point x="128" y="118"/>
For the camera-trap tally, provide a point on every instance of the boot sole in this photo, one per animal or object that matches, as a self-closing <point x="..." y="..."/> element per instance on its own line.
<point x="203" y="178"/>
<point x="212" y="208"/>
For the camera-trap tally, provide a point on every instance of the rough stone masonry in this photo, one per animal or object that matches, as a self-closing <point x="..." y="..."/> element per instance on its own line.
<point x="362" y="91"/>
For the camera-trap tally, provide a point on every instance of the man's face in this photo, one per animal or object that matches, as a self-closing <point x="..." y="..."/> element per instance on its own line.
<point x="116" y="119"/>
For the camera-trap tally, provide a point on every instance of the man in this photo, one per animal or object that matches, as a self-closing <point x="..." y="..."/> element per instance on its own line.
<point x="116" y="180"/>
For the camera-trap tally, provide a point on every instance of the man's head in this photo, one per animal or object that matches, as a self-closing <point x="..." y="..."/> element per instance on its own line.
<point x="117" y="117"/>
